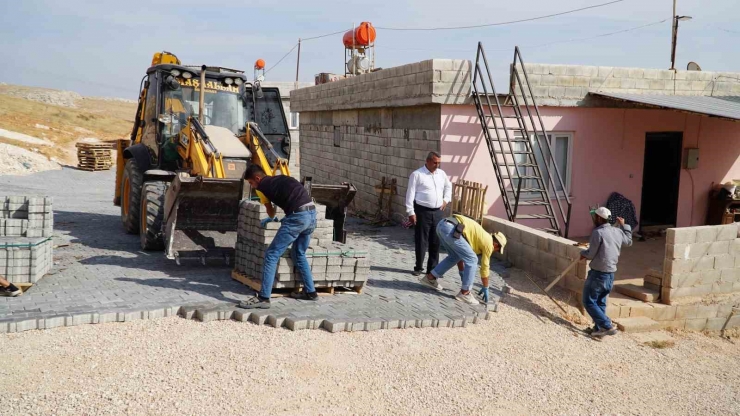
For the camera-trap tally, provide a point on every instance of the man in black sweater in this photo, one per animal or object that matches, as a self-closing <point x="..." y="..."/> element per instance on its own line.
<point x="295" y="228"/>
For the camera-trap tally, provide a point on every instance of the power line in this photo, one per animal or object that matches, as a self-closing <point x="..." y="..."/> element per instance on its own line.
<point x="323" y="36"/>
<point x="503" y="23"/>
<point x="727" y="30"/>
<point x="544" y="44"/>
<point x="281" y="59"/>
<point x="599" y="36"/>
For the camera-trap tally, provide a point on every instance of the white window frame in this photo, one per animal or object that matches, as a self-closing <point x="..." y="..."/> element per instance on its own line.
<point x="568" y="164"/>
<point x="296" y="119"/>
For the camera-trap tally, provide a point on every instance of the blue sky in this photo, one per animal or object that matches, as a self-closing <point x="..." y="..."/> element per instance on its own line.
<point x="103" y="48"/>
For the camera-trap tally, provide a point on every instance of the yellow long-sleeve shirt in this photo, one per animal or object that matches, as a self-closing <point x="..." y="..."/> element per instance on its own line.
<point x="480" y="241"/>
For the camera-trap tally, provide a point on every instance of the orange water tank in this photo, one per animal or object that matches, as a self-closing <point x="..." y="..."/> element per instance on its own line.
<point x="259" y="64"/>
<point x="364" y="36"/>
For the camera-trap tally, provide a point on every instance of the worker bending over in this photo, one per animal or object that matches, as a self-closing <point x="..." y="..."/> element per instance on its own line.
<point x="604" y="248"/>
<point x="465" y="239"/>
<point x="295" y="228"/>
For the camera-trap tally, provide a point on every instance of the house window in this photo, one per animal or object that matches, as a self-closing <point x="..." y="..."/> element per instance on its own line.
<point x="293" y="120"/>
<point x="561" y="146"/>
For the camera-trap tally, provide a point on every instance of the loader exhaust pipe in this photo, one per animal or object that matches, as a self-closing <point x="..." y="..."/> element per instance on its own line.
<point x="201" y="95"/>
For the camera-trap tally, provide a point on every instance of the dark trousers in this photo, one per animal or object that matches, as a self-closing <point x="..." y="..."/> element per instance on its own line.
<point x="425" y="236"/>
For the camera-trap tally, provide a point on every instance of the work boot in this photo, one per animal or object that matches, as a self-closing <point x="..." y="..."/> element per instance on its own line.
<point x="417" y="272"/>
<point x="255" y="302"/>
<point x="604" y="332"/>
<point x="434" y="284"/>
<point x="10" y="291"/>
<point x="303" y="295"/>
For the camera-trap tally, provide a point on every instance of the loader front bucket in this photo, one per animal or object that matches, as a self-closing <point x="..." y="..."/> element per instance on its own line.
<point x="336" y="198"/>
<point x="201" y="216"/>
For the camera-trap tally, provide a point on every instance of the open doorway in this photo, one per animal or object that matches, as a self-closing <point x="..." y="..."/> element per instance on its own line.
<point x="660" y="179"/>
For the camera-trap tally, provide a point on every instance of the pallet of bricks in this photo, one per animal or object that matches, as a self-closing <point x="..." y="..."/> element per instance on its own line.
<point x="333" y="264"/>
<point x="94" y="156"/>
<point x="26" y="227"/>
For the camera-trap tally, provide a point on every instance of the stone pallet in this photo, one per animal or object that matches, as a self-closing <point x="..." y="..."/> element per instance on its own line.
<point x="24" y="259"/>
<point x="22" y="216"/>
<point x="332" y="264"/>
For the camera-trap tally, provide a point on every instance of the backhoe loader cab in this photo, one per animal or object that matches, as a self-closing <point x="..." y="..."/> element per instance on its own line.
<point x="179" y="177"/>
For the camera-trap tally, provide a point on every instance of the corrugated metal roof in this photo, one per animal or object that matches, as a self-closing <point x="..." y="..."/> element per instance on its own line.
<point x="725" y="107"/>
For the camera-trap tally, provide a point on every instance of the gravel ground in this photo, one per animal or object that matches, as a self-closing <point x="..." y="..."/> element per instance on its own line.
<point x="524" y="360"/>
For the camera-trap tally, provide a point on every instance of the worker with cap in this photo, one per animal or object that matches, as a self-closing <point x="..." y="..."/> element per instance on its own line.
<point x="464" y="240"/>
<point x="604" y="248"/>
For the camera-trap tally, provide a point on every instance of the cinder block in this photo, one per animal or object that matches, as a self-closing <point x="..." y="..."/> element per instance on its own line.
<point x="698" y="250"/>
<point x="677" y="251"/>
<point x="686" y="311"/>
<point x="719" y="248"/>
<point x="715" y="324"/>
<point x="703" y="263"/>
<point x="706" y="277"/>
<point x="706" y="234"/>
<point x="696" y="324"/>
<point x="664" y="313"/>
<point x="681" y="235"/>
<point x="727" y="232"/>
<point x="679" y="266"/>
<point x="706" y="311"/>
<point x="724" y="261"/>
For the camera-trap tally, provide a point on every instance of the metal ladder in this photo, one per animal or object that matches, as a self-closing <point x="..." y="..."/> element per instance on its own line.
<point x="515" y="146"/>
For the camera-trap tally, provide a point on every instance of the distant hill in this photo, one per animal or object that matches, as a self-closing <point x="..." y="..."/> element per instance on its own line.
<point x="55" y="120"/>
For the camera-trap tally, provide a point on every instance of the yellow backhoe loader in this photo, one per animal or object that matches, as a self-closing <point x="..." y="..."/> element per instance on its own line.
<point x="179" y="178"/>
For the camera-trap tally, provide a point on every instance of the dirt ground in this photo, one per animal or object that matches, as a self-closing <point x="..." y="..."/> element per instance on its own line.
<point x="525" y="360"/>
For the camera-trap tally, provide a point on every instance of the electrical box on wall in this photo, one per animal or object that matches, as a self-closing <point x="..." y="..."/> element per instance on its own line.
<point x="692" y="158"/>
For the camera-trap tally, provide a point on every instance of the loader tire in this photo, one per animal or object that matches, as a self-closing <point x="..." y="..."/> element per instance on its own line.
<point x="152" y="213"/>
<point x="131" y="196"/>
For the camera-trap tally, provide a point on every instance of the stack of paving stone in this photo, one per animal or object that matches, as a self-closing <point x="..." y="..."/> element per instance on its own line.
<point x="22" y="216"/>
<point x="25" y="259"/>
<point x="332" y="264"/>
<point x="94" y="156"/>
<point x="26" y="227"/>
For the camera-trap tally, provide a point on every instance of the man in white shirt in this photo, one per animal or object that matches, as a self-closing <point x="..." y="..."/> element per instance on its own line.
<point x="428" y="194"/>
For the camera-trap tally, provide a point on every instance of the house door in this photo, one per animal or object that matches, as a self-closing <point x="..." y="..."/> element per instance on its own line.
<point x="660" y="179"/>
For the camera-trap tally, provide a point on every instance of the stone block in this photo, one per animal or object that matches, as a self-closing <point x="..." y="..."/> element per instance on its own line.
<point x="696" y="324"/>
<point x="705" y="311"/>
<point x="637" y="324"/>
<point x="715" y="324"/>
<point x="718" y="248"/>
<point x="727" y="232"/>
<point x="724" y="261"/>
<point x="679" y="266"/>
<point x="706" y="234"/>
<point x="697" y="250"/>
<point x="681" y="235"/>
<point x="529" y="239"/>
<point x="703" y="263"/>
<point x="664" y="313"/>
<point x="677" y="251"/>
<point x="729" y="276"/>
<point x="735" y="247"/>
<point x="706" y="277"/>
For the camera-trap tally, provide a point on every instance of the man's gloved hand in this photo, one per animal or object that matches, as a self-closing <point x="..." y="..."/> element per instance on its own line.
<point x="484" y="294"/>
<point x="264" y="222"/>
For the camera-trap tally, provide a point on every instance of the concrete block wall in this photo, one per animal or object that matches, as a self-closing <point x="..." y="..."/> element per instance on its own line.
<point x="434" y="81"/>
<point x="22" y="216"/>
<point x="568" y="85"/>
<point x="332" y="264"/>
<point x="701" y="261"/>
<point x="363" y="146"/>
<point x="539" y="253"/>
<point x="25" y="259"/>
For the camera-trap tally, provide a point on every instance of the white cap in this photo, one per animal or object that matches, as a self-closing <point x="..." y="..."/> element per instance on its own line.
<point x="604" y="213"/>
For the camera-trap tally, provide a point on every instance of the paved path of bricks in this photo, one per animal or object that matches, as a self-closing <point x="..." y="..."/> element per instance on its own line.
<point x="103" y="276"/>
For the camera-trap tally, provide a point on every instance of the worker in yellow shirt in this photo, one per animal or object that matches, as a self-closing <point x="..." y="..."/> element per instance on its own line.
<point x="465" y="240"/>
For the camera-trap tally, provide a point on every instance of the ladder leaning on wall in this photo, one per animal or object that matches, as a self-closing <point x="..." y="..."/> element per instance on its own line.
<point x="526" y="170"/>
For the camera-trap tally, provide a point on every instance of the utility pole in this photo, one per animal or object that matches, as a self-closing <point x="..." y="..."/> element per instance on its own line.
<point x="297" y="64"/>
<point x="674" y="34"/>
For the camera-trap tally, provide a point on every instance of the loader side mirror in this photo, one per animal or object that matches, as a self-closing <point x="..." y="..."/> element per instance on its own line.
<point x="171" y="83"/>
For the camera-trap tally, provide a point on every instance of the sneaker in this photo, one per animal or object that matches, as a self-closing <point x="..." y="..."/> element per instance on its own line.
<point x="417" y="272"/>
<point x="255" y="302"/>
<point x="303" y="295"/>
<point x="604" y="332"/>
<point x="591" y="330"/>
<point x="467" y="298"/>
<point x="434" y="284"/>
<point x="10" y="291"/>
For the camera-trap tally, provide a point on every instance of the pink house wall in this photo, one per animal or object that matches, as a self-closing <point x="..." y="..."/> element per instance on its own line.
<point x="607" y="155"/>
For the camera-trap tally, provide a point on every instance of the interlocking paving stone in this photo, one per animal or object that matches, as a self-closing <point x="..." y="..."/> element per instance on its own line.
<point x="103" y="276"/>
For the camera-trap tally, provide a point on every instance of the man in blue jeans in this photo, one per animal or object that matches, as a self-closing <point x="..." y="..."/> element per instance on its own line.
<point x="295" y="228"/>
<point x="604" y="248"/>
<point x="465" y="240"/>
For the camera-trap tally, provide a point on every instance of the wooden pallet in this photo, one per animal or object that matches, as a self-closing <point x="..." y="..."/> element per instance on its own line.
<point x="256" y="285"/>
<point x="101" y="146"/>
<point x="93" y="168"/>
<point x="23" y="286"/>
<point x="95" y="153"/>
